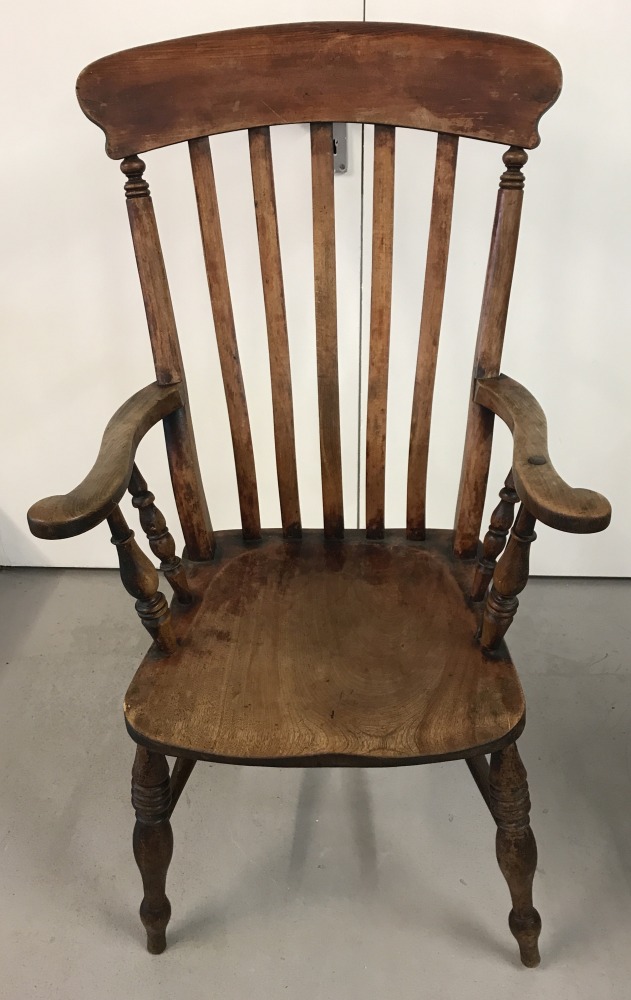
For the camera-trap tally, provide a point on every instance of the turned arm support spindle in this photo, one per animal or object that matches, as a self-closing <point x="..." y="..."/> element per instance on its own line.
<point x="495" y="538"/>
<point x="509" y="579"/>
<point x="160" y="539"/>
<point x="140" y="579"/>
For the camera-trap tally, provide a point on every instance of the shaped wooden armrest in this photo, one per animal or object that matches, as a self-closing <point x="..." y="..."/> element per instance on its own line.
<point x="538" y="484"/>
<point x="95" y="498"/>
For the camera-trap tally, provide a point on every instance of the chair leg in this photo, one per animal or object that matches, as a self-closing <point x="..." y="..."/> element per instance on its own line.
<point x="516" y="847"/>
<point x="153" y="841"/>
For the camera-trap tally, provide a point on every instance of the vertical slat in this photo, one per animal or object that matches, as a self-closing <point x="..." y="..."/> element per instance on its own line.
<point x="274" y="296"/>
<point x="217" y="275"/>
<point x="178" y="429"/>
<point x="326" y="327"/>
<point x="431" y="317"/>
<point x="488" y="353"/>
<point x="380" y="309"/>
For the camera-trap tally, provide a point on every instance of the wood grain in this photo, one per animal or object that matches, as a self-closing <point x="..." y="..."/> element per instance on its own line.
<point x="96" y="496"/>
<point x="153" y="842"/>
<point x="442" y="79"/>
<point x="431" y="317"/>
<point x="278" y="341"/>
<point x="495" y="538"/>
<point x="326" y="328"/>
<point x="380" y="317"/>
<point x="509" y="579"/>
<point x="221" y="302"/>
<point x="516" y="847"/>
<point x="305" y="650"/>
<point x="178" y="428"/>
<point x="537" y="482"/>
<point x="488" y="354"/>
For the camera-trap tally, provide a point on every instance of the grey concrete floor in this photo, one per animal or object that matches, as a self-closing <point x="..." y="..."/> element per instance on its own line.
<point x="314" y="884"/>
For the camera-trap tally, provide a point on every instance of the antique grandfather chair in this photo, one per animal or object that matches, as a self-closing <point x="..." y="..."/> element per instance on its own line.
<point x="326" y="647"/>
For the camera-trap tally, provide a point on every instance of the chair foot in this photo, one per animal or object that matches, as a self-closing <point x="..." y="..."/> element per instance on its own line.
<point x="153" y="842"/>
<point x="516" y="847"/>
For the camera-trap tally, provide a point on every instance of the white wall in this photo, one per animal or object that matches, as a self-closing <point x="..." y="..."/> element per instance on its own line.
<point x="74" y="340"/>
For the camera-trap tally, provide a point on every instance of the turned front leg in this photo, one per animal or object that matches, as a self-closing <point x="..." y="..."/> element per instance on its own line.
<point x="153" y="842"/>
<point x="516" y="847"/>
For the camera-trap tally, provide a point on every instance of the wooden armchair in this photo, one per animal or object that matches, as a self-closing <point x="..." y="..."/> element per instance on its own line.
<point x="326" y="647"/>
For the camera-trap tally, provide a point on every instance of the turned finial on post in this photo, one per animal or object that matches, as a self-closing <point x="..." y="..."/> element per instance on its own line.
<point x="135" y="185"/>
<point x="514" y="159"/>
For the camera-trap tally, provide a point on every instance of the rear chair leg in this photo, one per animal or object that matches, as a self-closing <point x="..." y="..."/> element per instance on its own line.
<point x="516" y="847"/>
<point x="153" y="841"/>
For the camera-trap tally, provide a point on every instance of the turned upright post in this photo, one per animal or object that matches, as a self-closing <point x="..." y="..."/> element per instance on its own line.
<point x="516" y="847"/>
<point x="509" y="579"/>
<point x="178" y="429"/>
<point x="153" y="841"/>
<point x="160" y="539"/>
<point x="488" y="353"/>
<point x="140" y="579"/>
<point x="495" y="538"/>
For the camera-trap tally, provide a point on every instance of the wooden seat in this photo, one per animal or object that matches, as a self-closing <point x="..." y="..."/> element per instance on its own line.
<point x="332" y="646"/>
<point x="303" y="650"/>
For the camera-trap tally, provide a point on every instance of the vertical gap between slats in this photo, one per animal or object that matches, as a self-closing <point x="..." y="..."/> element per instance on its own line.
<point x="217" y="275"/>
<point x="326" y="327"/>
<point x="431" y="318"/>
<point x="275" y="314"/>
<point x="380" y="316"/>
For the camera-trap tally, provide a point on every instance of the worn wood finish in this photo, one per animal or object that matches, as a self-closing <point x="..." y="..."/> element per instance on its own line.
<point x="178" y="429"/>
<point x="516" y="847"/>
<point x="326" y="328"/>
<point x="495" y="538"/>
<point x="380" y="315"/>
<point x="160" y="539"/>
<point x="324" y="649"/>
<point x="431" y="317"/>
<point x="274" y="296"/>
<point x="300" y="650"/>
<point x="509" y="579"/>
<point x="488" y="353"/>
<point x="221" y="302"/>
<point x="152" y="273"/>
<point x="95" y="497"/>
<point x="153" y="842"/>
<point x="140" y="579"/>
<point x="537" y="482"/>
<point x="442" y="79"/>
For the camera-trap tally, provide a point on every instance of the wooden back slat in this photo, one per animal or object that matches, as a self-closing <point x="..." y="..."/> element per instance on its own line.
<point x="217" y="275"/>
<point x="431" y="317"/>
<point x="488" y="354"/>
<point x="326" y="327"/>
<point x="274" y="296"/>
<point x="380" y="310"/>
